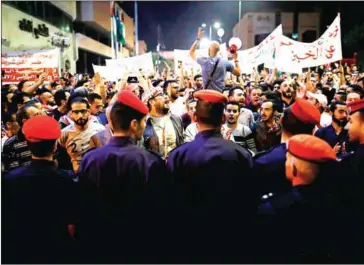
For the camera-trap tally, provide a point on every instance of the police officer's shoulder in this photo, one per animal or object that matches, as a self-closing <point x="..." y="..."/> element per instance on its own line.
<point x="16" y="173"/>
<point x="152" y="154"/>
<point x="67" y="174"/>
<point x="180" y="148"/>
<point x="264" y="154"/>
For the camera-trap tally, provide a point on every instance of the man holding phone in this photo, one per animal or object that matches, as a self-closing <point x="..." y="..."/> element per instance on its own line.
<point x="213" y="68"/>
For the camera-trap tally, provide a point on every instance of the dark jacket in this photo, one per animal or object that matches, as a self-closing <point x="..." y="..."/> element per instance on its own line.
<point x="151" y="141"/>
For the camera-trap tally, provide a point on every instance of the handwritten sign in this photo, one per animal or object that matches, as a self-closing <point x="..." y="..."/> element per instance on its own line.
<point x="326" y="49"/>
<point x="29" y="65"/>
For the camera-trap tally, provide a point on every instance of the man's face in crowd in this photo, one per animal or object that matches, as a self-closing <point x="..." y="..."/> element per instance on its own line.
<point x="31" y="112"/>
<point x="47" y="99"/>
<point x="314" y="102"/>
<point x="232" y="113"/>
<point x="161" y="103"/>
<point x="172" y="90"/>
<point x="338" y="97"/>
<point x="27" y="84"/>
<point x="286" y="90"/>
<point x="355" y="68"/>
<point x="199" y="82"/>
<point x="139" y="130"/>
<point x="239" y="96"/>
<point x="255" y="96"/>
<point x="97" y="107"/>
<point x="79" y="113"/>
<point x="266" y="111"/>
<point x="356" y="127"/>
<point x="191" y="109"/>
<point x="340" y="115"/>
<point x="13" y="88"/>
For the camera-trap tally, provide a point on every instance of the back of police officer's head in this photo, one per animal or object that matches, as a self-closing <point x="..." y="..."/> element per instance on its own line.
<point x="128" y="115"/>
<point x="300" y="118"/>
<point x="41" y="133"/>
<point x="210" y="109"/>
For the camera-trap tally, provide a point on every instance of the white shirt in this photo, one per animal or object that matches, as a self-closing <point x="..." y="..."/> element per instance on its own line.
<point x="178" y="107"/>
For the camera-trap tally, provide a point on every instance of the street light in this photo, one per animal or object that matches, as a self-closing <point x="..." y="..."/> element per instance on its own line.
<point x="220" y="33"/>
<point x="217" y="25"/>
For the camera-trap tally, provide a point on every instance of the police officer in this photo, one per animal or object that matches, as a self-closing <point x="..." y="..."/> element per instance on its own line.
<point x="120" y="182"/>
<point x="302" y="217"/>
<point x="300" y="118"/>
<point x="213" y="177"/>
<point x="39" y="207"/>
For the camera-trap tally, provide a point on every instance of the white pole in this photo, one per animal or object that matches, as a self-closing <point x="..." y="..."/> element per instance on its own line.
<point x="136" y="27"/>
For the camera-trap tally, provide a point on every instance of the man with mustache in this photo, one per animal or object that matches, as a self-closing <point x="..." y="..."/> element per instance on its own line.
<point x="336" y="134"/>
<point x="75" y="138"/>
<point x="164" y="131"/>
<point x="286" y="94"/>
<point x="255" y="102"/>
<point x="198" y="82"/>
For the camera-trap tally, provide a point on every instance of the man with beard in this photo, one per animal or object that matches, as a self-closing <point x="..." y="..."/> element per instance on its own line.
<point x="255" y="102"/>
<point x="234" y="131"/>
<point x="164" y="131"/>
<point x="47" y="100"/>
<point x="198" y="82"/>
<point x="75" y="138"/>
<point x="267" y="130"/>
<point x="213" y="179"/>
<point x="97" y="107"/>
<point x="177" y="104"/>
<point x="336" y="134"/>
<point x="286" y="94"/>
<point x="246" y="116"/>
<point x="122" y="186"/>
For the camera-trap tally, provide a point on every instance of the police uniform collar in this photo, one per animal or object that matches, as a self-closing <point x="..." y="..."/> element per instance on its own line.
<point x="43" y="163"/>
<point x="209" y="133"/>
<point x="121" y="140"/>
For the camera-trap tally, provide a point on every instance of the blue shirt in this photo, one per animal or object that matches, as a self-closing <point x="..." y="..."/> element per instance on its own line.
<point x="329" y="135"/>
<point x="218" y="79"/>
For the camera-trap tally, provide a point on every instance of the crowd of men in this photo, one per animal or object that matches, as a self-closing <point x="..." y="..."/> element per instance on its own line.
<point x="216" y="168"/>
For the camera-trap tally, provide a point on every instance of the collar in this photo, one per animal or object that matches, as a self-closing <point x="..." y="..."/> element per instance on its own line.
<point x="43" y="163"/>
<point x="121" y="141"/>
<point x="208" y="134"/>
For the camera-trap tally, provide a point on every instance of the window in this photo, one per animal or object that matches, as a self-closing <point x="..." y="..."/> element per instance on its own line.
<point x="27" y="7"/>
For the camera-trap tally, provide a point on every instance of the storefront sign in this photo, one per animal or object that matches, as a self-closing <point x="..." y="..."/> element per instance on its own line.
<point x="27" y="25"/>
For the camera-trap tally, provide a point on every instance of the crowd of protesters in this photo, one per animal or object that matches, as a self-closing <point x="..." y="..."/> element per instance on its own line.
<point x="175" y="167"/>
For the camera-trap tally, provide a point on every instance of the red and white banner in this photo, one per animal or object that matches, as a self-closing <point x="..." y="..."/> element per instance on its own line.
<point x="292" y="55"/>
<point x="16" y="66"/>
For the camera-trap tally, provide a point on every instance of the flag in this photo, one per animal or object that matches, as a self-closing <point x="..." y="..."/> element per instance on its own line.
<point x="120" y="28"/>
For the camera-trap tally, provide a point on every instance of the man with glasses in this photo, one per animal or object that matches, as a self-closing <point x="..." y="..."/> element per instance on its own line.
<point x="164" y="131"/>
<point x="76" y="137"/>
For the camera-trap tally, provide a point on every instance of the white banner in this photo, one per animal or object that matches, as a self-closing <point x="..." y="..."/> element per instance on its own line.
<point x="30" y="59"/>
<point x="292" y="54"/>
<point x="133" y="65"/>
<point x="183" y="57"/>
<point x="109" y="73"/>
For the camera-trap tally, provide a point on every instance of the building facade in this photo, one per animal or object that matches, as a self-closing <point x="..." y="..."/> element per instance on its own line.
<point x="29" y="25"/>
<point x="254" y="27"/>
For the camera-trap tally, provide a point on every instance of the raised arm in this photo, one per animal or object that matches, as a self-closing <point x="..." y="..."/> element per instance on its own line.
<point x="194" y="45"/>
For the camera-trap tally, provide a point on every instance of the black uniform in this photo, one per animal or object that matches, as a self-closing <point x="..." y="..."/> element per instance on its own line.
<point x="39" y="202"/>
<point x="214" y="181"/>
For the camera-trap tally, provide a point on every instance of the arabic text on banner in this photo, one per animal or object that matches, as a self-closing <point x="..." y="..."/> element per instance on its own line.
<point x="327" y="49"/>
<point x="133" y="65"/>
<point x="29" y="65"/>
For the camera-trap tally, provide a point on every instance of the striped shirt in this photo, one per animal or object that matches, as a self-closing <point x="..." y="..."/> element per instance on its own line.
<point x="15" y="152"/>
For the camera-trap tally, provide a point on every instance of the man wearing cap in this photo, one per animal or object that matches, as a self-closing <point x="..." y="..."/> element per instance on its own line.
<point x="120" y="181"/>
<point x="39" y="201"/>
<point x="302" y="217"/>
<point x="213" y="177"/>
<point x="300" y="118"/>
<point x="320" y="102"/>
<point x="163" y="131"/>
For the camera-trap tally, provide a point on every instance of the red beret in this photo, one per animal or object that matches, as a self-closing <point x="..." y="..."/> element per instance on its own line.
<point x="41" y="128"/>
<point x="355" y="106"/>
<point x="310" y="148"/>
<point x="211" y="96"/>
<point x="305" y="112"/>
<point x="129" y="99"/>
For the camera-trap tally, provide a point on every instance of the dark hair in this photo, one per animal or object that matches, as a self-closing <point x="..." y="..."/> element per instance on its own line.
<point x="41" y="91"/>
<point x="81" y="83"/>
<point x="293" y="125"/>
<point x="42" y="148"/>
<point x="59" y="96"/>
<point x="63" y="78"/>
<point x="92" y="96"/>
<point x="274" y="105"/>
<point x="121" y="116"/>
<point x="232" y="90"/>
<point x="18" y="98"/>
<point x="233" y="103"/>
<point x="78" y="100"/>
<point x="54" y="84"/>
<point x="255" y="88"/>
<point x="196" y="76"/>
<point x="209" y="113"/>
<point x="111" y="94"/>
<point x="21" y="84"/>
<point x="334" y="104"/>
<point x="23" y="114"/>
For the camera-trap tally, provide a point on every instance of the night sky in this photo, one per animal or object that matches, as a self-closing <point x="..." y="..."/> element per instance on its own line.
<point x="179" y="20"/>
